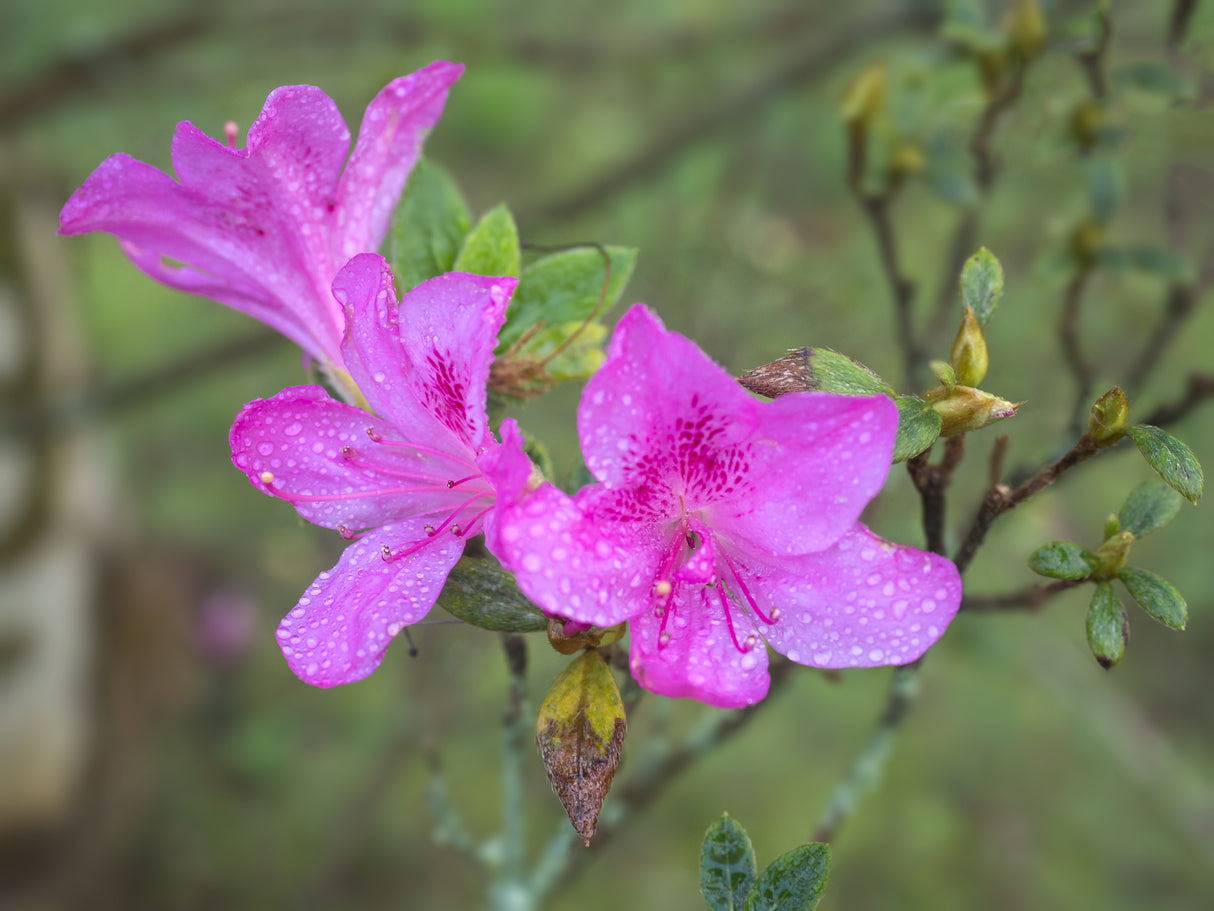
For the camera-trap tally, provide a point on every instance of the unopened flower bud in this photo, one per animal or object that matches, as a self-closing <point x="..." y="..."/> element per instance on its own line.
<point x="964" y="408"/>
<point x="1109" y="414"/>
<point x="969" y="355"/>
<point x="1025" y="25"/>
<point x="864" y="97"/>
<point x="1087" y="241"/>
<point x="1111" y="555"/>
<point x="907" y="159"/>
<point x="1087" y="120"/>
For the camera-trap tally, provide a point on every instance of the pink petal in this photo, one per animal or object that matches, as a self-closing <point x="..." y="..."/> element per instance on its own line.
<point x="316" y="453"/>
<point x="660" y="415"/>
<point x="866" y="602"/>
<point x="700" y="660"/>
<point x="394" y="126"/>
<point x="425" y="364"/>
<point x="342" y="625"/>
<point x="233" y="254"/>
<point x="815" y="461"/>
<point x="566" y="559"/>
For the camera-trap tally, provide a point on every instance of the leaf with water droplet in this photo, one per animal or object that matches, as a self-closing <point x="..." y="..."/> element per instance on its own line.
<point x="492" y="247"/>
<point x="1150" y="505"/>
<point x="1173" y="460"/>
<point x="918" y="427"/>
<point x="579" y="732"/>
<point x="481" y="593"/>
<point x="793" y="882"/>
<point x="1157" y="596"/>
<point x="428" y="226"/>
<point x="727" y="865"/>
<point x="1063" y="560"/>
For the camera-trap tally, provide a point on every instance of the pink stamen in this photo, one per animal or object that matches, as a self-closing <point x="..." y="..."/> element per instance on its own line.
<point x="451" y="485"/>
<point x="231" y="132"/>
<point x="378" y="437"/>
<point x="357" y="494"/>
<point x="729" y="621"/>
<point x="432" y="533"/>
<point x="750" y="599"/>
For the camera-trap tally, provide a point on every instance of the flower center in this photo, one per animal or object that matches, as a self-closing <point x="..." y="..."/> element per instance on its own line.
<point x="694" y="559"/>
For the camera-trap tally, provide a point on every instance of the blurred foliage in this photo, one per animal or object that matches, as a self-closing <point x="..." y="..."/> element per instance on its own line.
<point x="698" y="133"/>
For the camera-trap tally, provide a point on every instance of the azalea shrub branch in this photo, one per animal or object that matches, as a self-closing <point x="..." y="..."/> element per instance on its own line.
<point x="932" y="481"/>
<point x="1031" y="597"/>
<point x="1000" y="498"/>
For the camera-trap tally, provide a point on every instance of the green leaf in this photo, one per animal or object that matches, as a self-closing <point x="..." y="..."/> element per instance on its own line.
<point x="1063" y="560"/>
<point x="943" y="371"/>
<point x="830" y="371"/>
<point x="727" y="865"/>
<point x="579" y="732"/>
<point x="793" y="882"/>
<point x="1107" y="626"/>
<point x="1150" y="505"/>
<point x="579" y="359"/>
<point x="481" y="593"/>
<point x="428" y="226"/>
<point x="1157" y="596"/>
<point x="565" y="288"/>
<point x="918" y="427"/>
<point x="1159" y="261"/>
<point x="1173" y="460"/>
<point x="1150" y="76"/>
<point x="982" y="284"/>
<point x="1106" y="188"/>
<point x="492" y="247"/>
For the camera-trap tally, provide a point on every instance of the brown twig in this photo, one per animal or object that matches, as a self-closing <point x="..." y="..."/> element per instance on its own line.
<point x="932" y="481"/>
<point x="902" y="290"/>
<point x="1000" y="498"/>
<point x="1092" y="60"/>
<point x="1030" y="598"/>
<point x="1199" y="388"/>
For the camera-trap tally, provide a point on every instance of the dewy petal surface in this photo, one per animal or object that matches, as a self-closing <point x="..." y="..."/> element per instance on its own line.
<point x="699" y="660"/>
<point x="866" y="602"/>
<point x="341" y="627"/>
<point x="389" y="142"/>
<point x="424" y="364"/>
<point x="816" y="460"/>
<point x="317" y="454"/>
<point x="570" y="562"/>
<point x="264" y="229"/>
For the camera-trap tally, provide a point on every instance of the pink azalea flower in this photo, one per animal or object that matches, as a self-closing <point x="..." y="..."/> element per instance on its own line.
<point x="719" y="522"/>
<point x="406" y="486"/>
<point x="265" y="229"/>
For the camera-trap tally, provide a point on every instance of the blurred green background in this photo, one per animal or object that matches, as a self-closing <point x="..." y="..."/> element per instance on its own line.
<point x="155" y="750"/>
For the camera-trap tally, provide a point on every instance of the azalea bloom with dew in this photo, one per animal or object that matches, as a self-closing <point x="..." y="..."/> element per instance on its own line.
<point x="406" y="486"/>
<point x="718" y="523"/>
<point x="265" y="229"/>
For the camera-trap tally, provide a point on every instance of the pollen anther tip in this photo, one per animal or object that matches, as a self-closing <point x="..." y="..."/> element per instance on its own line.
<point x="267" y="477"/>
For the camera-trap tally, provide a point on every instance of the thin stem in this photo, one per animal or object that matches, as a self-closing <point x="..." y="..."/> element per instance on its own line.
<point x="869" y="766"/>
<point x="1000" y="498"/>
<point x="1032" y="597"/>
<point x="932" y="481"/>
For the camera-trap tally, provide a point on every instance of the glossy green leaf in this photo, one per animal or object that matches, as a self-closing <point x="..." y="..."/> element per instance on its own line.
<point x="1157" y="596"/>
<point x="481" y="593"/>
<point x="1173" y="460"/>
<point x="1150" y="505"/>
<point x="793" y="882"/>
<point x="579" y="732"/>
<point x="565" y="288"/>
<point x="1108" y="628"/>
<point x="1063" y="560"/>
<point x="982" y="284"/>
<point x="428" y="226"/>
<point x="727" y="865"/>
<point x="492" y="247"/>
<point x="578" y="360"/>
<point x="830" y="371"/>
<point x="918" y="427"/>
